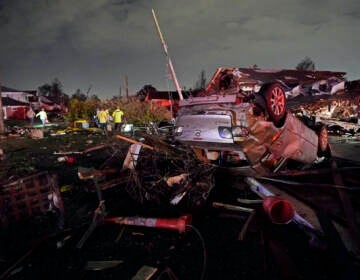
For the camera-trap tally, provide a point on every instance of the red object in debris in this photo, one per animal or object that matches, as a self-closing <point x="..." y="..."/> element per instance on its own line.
<point x="70" y="159"/>
<point x="178" y="224"/>
<point x="175" y="224"/>
<point x="280" y="211"/>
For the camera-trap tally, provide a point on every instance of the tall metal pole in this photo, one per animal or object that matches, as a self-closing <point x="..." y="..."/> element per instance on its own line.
<point x="172" y="72"/>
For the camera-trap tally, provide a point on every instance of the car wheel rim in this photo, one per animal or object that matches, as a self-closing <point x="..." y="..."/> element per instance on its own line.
<point x="277" y="101"/>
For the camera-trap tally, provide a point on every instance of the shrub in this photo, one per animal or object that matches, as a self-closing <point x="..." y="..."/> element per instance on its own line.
<point x="135" y="111"/>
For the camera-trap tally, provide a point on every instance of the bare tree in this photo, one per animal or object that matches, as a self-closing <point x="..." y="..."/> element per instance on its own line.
<point x="53" y="90"/>
<point x="306" y="64"/>
<point x="79" y="95"/>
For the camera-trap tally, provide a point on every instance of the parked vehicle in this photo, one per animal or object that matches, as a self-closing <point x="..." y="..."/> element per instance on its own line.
<point x="79" y="126"/>
<point x="244" y="122"/>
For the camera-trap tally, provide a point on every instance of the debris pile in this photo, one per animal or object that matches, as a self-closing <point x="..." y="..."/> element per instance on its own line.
<point x="30" y="196"/>
<point x="147" y="208"/>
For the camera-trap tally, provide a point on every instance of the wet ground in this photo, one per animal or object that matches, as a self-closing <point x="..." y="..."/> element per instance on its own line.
<point x="212" y="247"/>
<point x="346" y="147"/>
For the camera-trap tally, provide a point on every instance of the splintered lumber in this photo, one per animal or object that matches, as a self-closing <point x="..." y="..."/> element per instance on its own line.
<point x="232" y="207"/>
<point x="95" y="148"/>
<point x="12" y="267"/>
<point x="121" y="137"/>
<point x="101" y="265"/>
<point x="88" y="150"/>
<point x="132" y="156"/>
<point x="91" y="173"/>
<point x="249" y="201"/>
<point x="171" y="181"/>
<point x="145" y="273"/>
<point x="245" y="226"/>
<point x="120" y="234"/>
<point x="98" y="218"/>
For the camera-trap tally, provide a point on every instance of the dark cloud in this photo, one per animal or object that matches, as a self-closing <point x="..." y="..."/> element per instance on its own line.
<point x="96" y="42"/>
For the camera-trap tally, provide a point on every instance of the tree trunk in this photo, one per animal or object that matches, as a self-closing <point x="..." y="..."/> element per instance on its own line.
<point x="2" y="127"/>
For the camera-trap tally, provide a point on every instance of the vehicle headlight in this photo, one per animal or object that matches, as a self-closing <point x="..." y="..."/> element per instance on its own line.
<point x="225" y="132"/>
<point x="178" y="130"/>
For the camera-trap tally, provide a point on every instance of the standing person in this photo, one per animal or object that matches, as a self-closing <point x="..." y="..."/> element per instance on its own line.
<point x="43" y="116"/>
<point x="30" y="114"/>
<point x="117" y="117"/>
<point x="103" y="118"/>
<point x="107" y="115"/>
<point x="95" y="117"/>
<point x="108" y="120"/>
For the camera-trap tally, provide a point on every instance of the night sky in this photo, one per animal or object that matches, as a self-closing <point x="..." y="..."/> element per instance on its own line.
<point x="96" y="43"/>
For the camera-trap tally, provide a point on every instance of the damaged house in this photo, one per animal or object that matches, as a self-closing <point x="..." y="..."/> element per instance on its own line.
<point x="31" y="98"/>
<point x="26" y="96"/>
<point x="14" y="109"/>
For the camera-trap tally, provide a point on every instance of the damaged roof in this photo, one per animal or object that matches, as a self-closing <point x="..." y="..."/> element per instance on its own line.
<point x="7" y="101"/>
<point x="288" y="77"/>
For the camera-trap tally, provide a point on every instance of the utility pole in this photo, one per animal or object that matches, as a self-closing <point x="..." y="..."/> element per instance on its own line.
<point x="171" y="68"/>
<point x="126" y="85"/>
<point x="2" y="126"/>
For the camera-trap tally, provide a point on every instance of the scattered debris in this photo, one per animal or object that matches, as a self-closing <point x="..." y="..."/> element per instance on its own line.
<point x="29" y="197"/>
<point x="263" y="192"/>
<point x="145" y="273"/>
<point x="2" y="154"/>
<point x="132" y="156"/>
<point x="232" y="207"/>
<point x="88" y="150"/>
<point x="36" y="133"/>
<point x="244" y="229"/>
<point x="280" y="211"/>
<point x="79" y="126"/>
<point x="102" y="265"/>
<point x="178" y="224"/>
<point x="148" y="180"/>
<point x="98" y="218"/>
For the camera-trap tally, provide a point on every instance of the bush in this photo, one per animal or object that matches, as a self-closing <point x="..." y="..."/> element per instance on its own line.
<point x="135" y="111"/>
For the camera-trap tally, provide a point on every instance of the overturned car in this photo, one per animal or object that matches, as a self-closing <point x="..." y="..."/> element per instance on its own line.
<point x="241" y="120"/>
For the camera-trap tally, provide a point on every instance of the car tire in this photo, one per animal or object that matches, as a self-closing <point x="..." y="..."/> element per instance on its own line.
<point x="275" y="102"/>
<point x="323" y="141"/>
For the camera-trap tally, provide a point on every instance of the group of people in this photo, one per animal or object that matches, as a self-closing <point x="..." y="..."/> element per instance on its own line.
<point x="103" y="117"/>
<point x="30" y="114"/>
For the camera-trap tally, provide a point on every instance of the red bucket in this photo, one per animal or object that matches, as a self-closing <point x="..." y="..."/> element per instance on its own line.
<point x="280" y="211"/>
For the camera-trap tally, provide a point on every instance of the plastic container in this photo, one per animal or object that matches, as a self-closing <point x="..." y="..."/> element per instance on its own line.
<point x="280" y="211"/>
